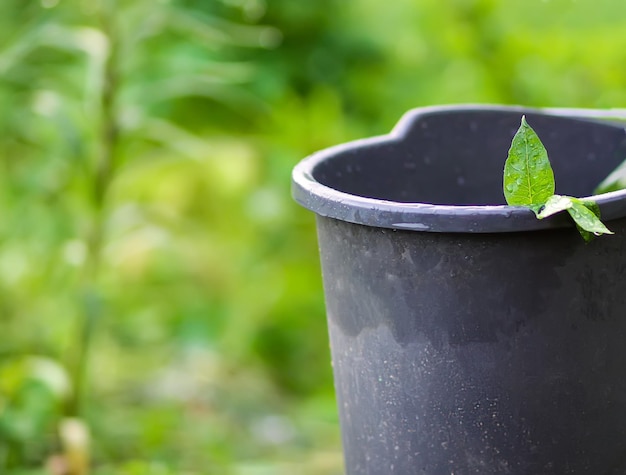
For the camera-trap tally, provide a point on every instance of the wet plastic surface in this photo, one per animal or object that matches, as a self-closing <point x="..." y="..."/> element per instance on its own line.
<point x="437" y="159"/>
<point x="475" y="352"/>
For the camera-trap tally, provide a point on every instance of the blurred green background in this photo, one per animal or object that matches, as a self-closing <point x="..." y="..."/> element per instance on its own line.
<point x="161" y="308"/>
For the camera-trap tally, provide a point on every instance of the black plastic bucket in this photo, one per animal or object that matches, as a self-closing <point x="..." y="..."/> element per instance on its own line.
<point x="467" y="336"/>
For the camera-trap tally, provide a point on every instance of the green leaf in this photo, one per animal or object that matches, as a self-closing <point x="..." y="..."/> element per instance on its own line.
<point x="593" y="206"/>
<point x="587" y="217"/>
<point x="555" y="204"/>
<point x="528" y="176"/>
<point x="615" y="181"/>
<point x="586" y="235"/>
<point x="586" y="214"/>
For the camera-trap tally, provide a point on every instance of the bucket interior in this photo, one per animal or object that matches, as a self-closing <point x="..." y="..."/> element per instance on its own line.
<point x="457" y="158"/>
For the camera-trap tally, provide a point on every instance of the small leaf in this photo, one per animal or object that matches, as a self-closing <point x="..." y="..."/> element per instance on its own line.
<point x="555" y="204"/>
<point x="615" y="181"/>
<point x="528" y="176"/>
<point x="587" y="218"/>
<point x="592" y="206"/>
<point x="586" y="214"/>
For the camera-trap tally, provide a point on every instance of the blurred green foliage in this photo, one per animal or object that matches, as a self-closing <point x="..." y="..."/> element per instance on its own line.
<point x="160" y="298"/>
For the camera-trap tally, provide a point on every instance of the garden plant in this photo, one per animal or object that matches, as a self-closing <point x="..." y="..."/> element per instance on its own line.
<point x="529" y="181"/>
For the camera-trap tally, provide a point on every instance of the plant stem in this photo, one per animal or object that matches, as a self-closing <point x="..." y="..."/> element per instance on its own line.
<point x="103" y="174"/>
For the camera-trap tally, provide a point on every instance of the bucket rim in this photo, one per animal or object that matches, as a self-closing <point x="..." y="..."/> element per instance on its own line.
<point x="414" y="216"/>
